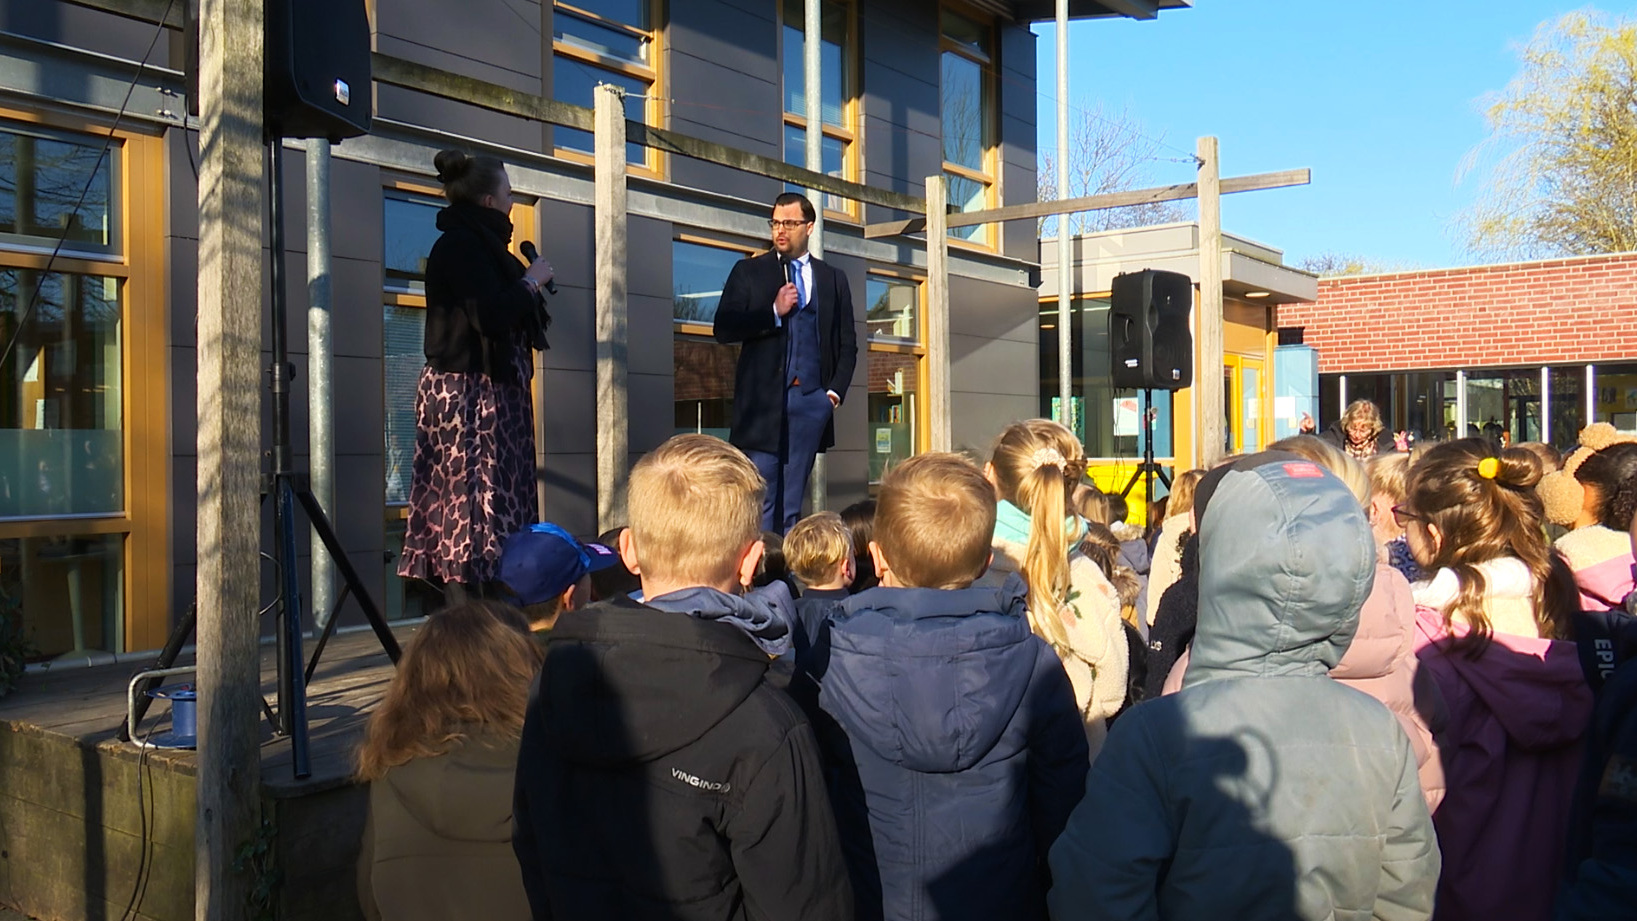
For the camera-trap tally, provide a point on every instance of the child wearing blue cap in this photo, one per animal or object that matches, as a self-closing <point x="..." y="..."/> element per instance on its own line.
<point x="548" y="571"/>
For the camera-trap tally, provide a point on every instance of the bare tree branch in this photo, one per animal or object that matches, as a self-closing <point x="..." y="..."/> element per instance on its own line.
<point x="1108" y="152"/>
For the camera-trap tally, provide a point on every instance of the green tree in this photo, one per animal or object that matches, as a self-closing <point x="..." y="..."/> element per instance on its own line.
<point x="1560" y="164"/>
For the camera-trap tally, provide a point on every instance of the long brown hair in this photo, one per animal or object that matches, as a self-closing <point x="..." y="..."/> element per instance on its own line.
<point x="1103" y="548"/>
<point x="1037" y="463"/>
<point x="469" y="667"/>
<point x="1482" y="518"/>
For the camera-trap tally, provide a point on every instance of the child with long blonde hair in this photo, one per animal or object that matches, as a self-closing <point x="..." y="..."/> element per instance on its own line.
<point x="1494" y="630"/>
<point x="439" y="757"/>
<point x="1035" y="466"/>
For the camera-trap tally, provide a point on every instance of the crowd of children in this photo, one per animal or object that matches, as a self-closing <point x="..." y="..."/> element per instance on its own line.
<point x="1348" y="686"/>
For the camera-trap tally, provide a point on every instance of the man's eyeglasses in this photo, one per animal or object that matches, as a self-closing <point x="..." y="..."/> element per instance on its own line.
<point x="1404" y="516"/>
<point x="787" y="225"/>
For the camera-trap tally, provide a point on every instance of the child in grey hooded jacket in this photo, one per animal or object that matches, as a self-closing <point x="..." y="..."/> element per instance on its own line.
<point x="1264" y="789"/>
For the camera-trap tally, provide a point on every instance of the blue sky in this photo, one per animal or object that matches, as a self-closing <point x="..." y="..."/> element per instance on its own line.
<point x="1381" y="100"/>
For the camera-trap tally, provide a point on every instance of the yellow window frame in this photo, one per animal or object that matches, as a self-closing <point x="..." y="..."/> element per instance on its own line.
<point x="144" y="297"/>
<point x="653" y="111"/>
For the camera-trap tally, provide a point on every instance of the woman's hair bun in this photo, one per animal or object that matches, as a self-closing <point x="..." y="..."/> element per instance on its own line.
<point x="1519" y="469"/>
<point x="451" y="165"/>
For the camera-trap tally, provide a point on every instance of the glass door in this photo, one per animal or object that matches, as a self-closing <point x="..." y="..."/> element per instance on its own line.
<point x="1250" y="405"/>
<point x="1242" y="414"/>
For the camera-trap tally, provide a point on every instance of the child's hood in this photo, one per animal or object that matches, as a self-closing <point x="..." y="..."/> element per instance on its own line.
<point x="1534" y="687"/>
<point x="928" y="678"/>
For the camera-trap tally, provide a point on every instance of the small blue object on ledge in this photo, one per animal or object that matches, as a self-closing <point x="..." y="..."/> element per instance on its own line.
<point x="184" y="731"/>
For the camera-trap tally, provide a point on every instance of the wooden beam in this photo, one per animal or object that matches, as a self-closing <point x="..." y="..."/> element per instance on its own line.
<point x="496" y="98"/>
<point x="1037" y="210"/>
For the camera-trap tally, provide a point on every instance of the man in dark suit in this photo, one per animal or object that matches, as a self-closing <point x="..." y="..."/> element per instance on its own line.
<point x="793" y="317"/>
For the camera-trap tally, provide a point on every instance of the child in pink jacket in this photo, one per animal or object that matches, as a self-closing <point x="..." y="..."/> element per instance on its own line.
<point x="1492" y="631"/>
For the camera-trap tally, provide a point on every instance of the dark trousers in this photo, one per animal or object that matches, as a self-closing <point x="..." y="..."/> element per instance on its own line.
<point x="806" y="415"/>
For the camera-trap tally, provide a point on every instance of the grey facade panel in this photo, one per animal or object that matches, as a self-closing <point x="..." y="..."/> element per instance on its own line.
<point x="999" y="366"/>
<point x="570" y="485"/>
<point x="356" y="231"/>
<point x="980" y="417"/>
<point x="414" y="108"/>
<point x="92" y="30"/>
<point x="849" y="474"/>
<point x="500" y="44"/>
<point x="568" y="412"/>
<point x="653" y="410"/>
<point x="993" y="311"/>
<point x="648" y="254"/>
<point x="356" y="330"/>
<point x="903" y="35"/>
<point x="183" y="272"/>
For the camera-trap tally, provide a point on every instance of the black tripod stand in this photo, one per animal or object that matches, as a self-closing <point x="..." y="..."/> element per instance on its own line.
<point x="286" y="488"/>
<point x="1147" y="468"/>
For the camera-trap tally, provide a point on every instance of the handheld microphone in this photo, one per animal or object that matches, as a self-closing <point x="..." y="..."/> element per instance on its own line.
<point x="789" y="269"/>
<point x="533" y="255"/>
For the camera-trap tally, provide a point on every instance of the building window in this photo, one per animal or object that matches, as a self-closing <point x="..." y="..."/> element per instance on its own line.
<point x="1616" y="396"/>
<point x="409" y="230"/>
<point x="1501" y="403"/>
<point x="67" y="518"/>
<point x="1108" y="421"/>
<point x="606" y="41"/>
<point x="837" y="94"/>
<point x="703" y="368"/>
<point x="968" y="112"/>
<point x="1567" y="389"/>
<point x="897" y="353"/>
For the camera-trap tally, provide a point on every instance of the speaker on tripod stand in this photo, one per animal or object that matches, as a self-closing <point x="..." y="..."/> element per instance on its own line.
<point x="316" y="83"/>
<point x="1150" y="347"/>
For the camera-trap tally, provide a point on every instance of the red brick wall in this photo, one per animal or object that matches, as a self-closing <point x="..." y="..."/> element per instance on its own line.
<point x="1519" y="313"/>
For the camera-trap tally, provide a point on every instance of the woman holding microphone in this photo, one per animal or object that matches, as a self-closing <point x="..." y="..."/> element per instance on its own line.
<point x="473" y="478"/>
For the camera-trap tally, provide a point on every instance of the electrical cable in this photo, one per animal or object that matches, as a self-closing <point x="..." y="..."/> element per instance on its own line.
<point x="90" y="180"/>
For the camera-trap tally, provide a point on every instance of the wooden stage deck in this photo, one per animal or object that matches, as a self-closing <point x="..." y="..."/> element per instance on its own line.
<point x="90" y="825"/>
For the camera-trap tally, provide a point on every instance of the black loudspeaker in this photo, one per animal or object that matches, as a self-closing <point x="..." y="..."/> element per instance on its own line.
<point x="317" y="69"/>
<point x="1149" y="342"/>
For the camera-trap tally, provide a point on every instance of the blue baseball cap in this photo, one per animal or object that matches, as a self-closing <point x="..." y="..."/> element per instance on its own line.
<point x="543" y="560"/>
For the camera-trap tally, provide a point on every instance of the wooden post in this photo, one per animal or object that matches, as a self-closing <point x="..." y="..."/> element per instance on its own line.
<point x="613" y="396"/>
<point x="229" y="447"/>
<point x="1065" y="259"/>
<point x="937" y="321"/>
<point x="813" y="86"/>
<point x="1212" y="431"/>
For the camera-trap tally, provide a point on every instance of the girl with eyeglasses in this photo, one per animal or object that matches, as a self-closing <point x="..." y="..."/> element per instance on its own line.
<point x="1494" y="624"/>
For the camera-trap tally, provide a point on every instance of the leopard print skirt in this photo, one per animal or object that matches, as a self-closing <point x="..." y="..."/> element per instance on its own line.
<point x="473" y="477"/>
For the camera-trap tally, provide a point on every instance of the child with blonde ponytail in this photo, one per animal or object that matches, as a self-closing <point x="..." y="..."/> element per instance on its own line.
<point x="1035" y="466"/>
